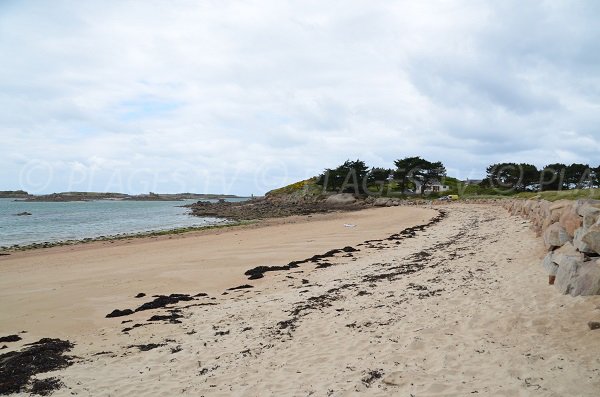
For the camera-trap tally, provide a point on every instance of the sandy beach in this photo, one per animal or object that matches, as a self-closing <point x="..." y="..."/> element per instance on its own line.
<point x="65" y="291"/>
<point x="442" y="301"/>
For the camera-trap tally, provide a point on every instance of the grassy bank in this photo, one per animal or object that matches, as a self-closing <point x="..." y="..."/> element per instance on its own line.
<point x="307" y="187"/>
<point x="574" y="194"/>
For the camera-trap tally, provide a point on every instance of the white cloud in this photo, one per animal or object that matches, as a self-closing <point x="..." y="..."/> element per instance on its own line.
<point x="243" y="96"/>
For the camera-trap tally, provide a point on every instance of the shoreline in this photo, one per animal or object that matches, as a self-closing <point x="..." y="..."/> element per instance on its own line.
<point x="47" y="239"/>
<point x="192" y="230"/>
<point x="123" y="236"/>
<point x="226" y="221"/>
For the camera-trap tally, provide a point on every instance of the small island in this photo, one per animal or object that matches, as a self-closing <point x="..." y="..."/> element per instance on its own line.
<point x="13" y="194"/>
<point x="20" y="195"/>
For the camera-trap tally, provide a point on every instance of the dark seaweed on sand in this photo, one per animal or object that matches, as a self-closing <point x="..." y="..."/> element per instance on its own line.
<point x="164" y="300"/>
<point x="17" y="368"/>
<point x="10" y="338"/>
<point x="159" y="302"/>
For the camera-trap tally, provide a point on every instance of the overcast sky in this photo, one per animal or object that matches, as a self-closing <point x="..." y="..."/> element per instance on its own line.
<point x="245" y="96"/>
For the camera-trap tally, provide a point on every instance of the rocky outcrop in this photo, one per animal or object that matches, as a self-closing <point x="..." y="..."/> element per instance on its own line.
<point x="265" y="208"/>
<point x="385" y="202"/>
<point x="571" y="234"/>
<point x="340" y="199"/>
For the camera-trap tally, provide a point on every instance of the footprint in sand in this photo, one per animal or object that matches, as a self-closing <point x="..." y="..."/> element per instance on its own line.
<point x="414" y="381"/>
<point x="404" y="378"/>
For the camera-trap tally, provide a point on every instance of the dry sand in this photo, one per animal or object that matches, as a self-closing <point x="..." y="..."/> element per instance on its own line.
<point x="460" y="308"/>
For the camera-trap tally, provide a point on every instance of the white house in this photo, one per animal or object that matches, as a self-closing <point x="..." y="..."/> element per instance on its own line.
<point x="433" y="187"/>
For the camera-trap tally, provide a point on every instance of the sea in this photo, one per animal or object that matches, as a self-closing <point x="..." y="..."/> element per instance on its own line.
<point x="77" y="220"/>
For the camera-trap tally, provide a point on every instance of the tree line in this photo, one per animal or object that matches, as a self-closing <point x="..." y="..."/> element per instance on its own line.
<point x="417" y="175"/>
<point x="523" y="177"/>
<point x="409" y="174"/>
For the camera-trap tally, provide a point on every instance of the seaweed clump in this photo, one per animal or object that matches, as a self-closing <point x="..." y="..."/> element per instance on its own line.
<point x="17" y="368"/>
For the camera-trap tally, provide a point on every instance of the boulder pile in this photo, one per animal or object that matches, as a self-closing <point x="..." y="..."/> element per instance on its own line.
<point x="571" y="233"/>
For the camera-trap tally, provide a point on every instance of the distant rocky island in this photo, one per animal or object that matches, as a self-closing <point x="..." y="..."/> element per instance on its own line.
<point x="13" y="194"/>
<point x="21" y="195"/>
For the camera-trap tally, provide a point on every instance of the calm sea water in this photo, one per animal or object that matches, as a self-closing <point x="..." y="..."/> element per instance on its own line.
<point x="78" y="220"/>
